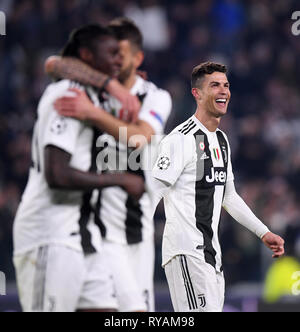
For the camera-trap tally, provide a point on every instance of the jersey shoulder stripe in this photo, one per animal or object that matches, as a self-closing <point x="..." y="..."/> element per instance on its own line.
<point x="187" y="131"/>
<point x="187" y="127"/>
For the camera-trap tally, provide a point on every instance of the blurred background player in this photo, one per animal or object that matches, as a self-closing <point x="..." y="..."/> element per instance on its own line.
<point x="126" y="225"/>
<point x="194" y="175"/>
<point x="54" y="225"/>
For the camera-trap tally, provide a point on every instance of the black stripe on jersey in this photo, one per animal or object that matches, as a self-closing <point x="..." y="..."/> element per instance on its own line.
<point x="86" y="209"/>
<point x="98" y="220"/>
<point x="133" y="221"/>
<point x="188" y="283"/>
<point x="204" y="199"/>
<point x="85" y="214"/>
<point x="142" y="97"/>
<point x="40" y="279"/>
<point x="187" y="127"/>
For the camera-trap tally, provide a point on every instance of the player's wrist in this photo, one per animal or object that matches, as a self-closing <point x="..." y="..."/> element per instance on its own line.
<point x="106" y="85"/>
<point x="107" y="180"/>
<point x="116" y="89"/>
<point x="93" y="113"/>
<point x="263" y="232"/>
<point x="110" y="85"/>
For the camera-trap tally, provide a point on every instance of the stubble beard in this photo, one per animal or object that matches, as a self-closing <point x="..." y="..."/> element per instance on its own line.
<point x="126" y="73"/>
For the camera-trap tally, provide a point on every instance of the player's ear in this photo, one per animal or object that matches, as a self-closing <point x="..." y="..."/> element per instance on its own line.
<point x="86" y="55"/>
<point x="196" y="93"/>
<point x="138" y="59"/>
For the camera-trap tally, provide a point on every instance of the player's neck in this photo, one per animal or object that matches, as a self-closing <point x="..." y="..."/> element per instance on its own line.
<point x="129" y="83"/>
<point x="210" y="122"/>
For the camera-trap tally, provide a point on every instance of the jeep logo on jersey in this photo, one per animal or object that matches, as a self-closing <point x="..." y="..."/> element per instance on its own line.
<point x="218" y="175"/>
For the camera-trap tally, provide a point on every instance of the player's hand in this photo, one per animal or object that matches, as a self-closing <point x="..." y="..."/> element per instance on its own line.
<point x="275" y="243"/>
<point x="79" y="107"/>
<point x="134" y="185"/>
<point x="130" y="103"/>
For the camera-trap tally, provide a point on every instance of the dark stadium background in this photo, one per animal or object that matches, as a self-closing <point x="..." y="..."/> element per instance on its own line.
<point x="253" y="37"/>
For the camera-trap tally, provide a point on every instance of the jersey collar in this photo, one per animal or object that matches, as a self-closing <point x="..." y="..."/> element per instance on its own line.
<point x="137" y="85"/>
<point x="202" y="127"/>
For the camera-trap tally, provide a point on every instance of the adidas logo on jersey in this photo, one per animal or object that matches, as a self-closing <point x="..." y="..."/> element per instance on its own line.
<point x="204" y="156"/>
<point x="216" y="176"/>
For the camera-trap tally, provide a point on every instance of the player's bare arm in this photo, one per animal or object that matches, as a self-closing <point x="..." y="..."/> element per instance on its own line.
<point x="60" y="175"/>
<point x="81" y="108"/>
<point x="76" y="70"/>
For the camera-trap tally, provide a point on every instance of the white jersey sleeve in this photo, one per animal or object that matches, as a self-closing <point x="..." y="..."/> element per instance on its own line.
<point x="156" y="109"/>
<point x="240" y="211"/>
<point x="175" y="153"/>
<point x="60" y="131"/>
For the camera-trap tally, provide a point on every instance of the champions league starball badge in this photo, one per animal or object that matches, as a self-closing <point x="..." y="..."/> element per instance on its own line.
<point x="59" y="125"/>
<point x="164" y="163"/>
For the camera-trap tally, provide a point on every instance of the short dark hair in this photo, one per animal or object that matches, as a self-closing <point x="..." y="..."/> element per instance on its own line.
<point x="85" y="36"/>
<point x="125" y="29"/>
<point x="203" y="69"/>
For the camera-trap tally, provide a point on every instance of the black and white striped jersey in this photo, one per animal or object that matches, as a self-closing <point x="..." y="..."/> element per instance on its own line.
<point x="196" y="163"/>
<point x="121" y="218"/>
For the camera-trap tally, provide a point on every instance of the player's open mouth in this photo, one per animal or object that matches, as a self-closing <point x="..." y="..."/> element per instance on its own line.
<point x="221" y="102"/>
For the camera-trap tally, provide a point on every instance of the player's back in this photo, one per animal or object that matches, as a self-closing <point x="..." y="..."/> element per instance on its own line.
<point x="46" y="215"/>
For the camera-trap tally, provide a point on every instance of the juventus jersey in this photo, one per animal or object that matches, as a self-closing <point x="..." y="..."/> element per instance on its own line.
<point x="196" y="163"/>
<point x="121" y="218"/>
<point x="48" y="216"/>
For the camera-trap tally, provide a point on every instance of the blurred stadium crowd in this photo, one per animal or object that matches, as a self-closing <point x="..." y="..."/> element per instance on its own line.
<point x="253" y="37"/>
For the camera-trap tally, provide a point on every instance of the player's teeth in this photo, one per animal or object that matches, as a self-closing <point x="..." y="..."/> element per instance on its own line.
<point x="221" y="100"/>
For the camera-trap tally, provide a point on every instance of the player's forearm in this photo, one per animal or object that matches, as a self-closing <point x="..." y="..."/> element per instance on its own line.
<point x="60" y="175"/>
<point x="72" y="179"/>
<point x="240" y="211"/>
<point x="75" y="70"/>
<point x="120" y="130"/>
